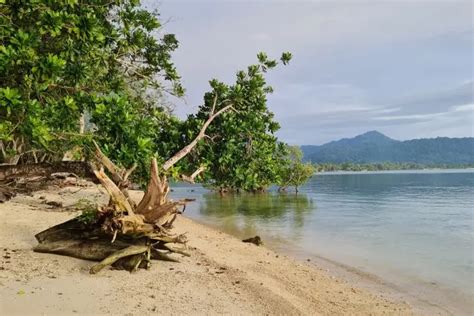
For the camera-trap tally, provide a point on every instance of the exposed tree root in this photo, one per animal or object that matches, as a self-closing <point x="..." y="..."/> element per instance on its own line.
<point x="121" y="233"/>
<point x="124" y="234"/>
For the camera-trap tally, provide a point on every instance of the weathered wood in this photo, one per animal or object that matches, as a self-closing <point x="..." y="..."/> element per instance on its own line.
<point x="132" y="263"/>
<point x="254" y="240"/>
<point x="119" y="176"/>
<point x="71" y="229"/>
<point x="191" y="178"/>
<point x="122" y="233"/>
<point x="80" y="168"/>
<point x="158" y="255"/>
<point x="135" y="225"/>
<point x="6" y="194"/>
<point x="76" y="239"/>
<point x="86" y="249"/>
<point x="119" y="200"/>
<point x="202" y="133"/>
<point x="155" y="196"/>
<point x="129" y="251"/>
<point x="177" y="250"/>
<point x="116" y="173"/>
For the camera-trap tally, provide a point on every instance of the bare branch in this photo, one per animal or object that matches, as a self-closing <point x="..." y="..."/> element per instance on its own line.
<point x="213" y="105"/>
<point x="198" y="171"/>
<point x="119" y="176"/>
<point x="129" y="172"/>
<point x="187" y="149"/>
<point x="115" y="171"/>
<point x="190" y="179"/>
<point x="82" y="123"/>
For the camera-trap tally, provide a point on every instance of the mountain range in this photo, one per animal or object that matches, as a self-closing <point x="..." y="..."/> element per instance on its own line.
<point x="375" y="147"/>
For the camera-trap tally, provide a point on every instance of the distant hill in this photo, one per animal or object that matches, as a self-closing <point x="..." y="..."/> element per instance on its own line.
<point x="375" y="147"/>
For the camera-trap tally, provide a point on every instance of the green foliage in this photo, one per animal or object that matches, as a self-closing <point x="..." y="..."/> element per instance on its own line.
<point x="88" y="216"/>
<point x="99" y="61"/>
<point x="374" y="147"/>
<point x="61" y="59"/>
<point x="89" y="211"/>
<point x="241" y="150"/>
<point x="295" y="172"/>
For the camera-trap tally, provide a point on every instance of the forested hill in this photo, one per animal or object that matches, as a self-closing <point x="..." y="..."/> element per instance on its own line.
<point x="375" y="147"/>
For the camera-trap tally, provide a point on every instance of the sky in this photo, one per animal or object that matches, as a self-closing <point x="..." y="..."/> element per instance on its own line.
<point x="404" y="68"/>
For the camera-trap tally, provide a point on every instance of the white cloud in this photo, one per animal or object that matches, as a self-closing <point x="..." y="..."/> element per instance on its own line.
<point x="409" y="117"/>
<point x="358" y="65"/>
<point x="463" y="108"/>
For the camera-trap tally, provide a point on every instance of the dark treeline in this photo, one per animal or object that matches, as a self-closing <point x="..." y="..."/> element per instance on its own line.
<point x="321" y="167"/>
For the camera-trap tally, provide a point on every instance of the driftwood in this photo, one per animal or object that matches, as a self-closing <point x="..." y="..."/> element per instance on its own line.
<point x="122" y="233"/>
<point x="31" y="177"/>
<point x="254" y="240"/>
<point x="11" y="172"/>
<point x="6" y="194"/>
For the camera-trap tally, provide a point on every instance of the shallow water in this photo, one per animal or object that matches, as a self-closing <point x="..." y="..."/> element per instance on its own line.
<point x="413" y="229"/>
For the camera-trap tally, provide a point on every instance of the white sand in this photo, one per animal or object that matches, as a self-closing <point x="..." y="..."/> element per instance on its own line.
<point x="223" y="275"/>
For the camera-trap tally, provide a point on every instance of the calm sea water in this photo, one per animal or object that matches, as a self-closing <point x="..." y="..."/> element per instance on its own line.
<point x="413" y="229"/>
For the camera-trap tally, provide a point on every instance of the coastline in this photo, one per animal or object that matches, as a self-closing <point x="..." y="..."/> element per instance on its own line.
<point x="222" y="276"/>
<point x="420" y="301"/>
<point x="389" y="171"/>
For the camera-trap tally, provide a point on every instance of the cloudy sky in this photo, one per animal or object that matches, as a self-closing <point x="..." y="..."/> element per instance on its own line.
<point x="404" y="68"/>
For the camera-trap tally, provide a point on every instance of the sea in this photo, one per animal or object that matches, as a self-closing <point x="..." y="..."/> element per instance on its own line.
<point x="411" y="232"/>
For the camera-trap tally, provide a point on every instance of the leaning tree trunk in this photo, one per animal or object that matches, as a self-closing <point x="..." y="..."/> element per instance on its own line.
<point x="122" y="233"/>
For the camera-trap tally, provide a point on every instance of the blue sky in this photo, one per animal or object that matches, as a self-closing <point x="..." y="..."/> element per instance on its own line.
<point x="402" y="67"/>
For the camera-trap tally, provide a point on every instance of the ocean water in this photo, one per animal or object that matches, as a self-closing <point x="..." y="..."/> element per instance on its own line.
<point x="413" y="229"/>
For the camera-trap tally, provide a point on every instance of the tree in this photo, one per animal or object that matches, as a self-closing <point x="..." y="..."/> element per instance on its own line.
<point x="63" y="63"/>
<point x="62" y="59"/>
<point x="124" y="233"/>
<point x="241" y="150"/>
<point x="66" y="62"/>
<point x="295" y="172"/>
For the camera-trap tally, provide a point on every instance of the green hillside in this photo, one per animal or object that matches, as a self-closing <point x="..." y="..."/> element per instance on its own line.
<point x="375" y="147"/>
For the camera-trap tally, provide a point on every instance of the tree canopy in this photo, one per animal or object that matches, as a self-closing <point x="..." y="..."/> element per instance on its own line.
<point x="241" y="150"/>
<point x="75" y="71"/>
<point x="294" y="172"/>
<point x="60" y="59"/>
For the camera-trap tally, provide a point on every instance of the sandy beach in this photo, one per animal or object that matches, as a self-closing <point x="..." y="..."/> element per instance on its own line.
<point x="222" y="276"/>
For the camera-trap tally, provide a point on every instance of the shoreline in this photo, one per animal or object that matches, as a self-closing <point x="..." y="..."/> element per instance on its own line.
<point x="223" y="275"/>
<point x="391" y="171"/>
<point x="421" y="304"/>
